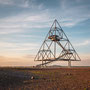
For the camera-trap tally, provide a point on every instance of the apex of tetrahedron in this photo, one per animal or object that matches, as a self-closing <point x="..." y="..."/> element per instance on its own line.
<point x="55" y="25"/>
<point x="55" y="20"/>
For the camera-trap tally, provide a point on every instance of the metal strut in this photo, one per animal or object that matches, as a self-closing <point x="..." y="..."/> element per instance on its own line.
<point x="48" y="51"/>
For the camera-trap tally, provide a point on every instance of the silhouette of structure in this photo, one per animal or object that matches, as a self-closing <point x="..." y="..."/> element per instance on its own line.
<point x="56" y="47"/>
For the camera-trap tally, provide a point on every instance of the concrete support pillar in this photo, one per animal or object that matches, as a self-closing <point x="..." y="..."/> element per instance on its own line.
<point x="69" y="63"/>
<point x="42" y="64"/>
<point x="45" y="64"/>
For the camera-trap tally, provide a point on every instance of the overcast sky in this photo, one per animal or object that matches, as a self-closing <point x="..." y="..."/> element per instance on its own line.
<point x="25" y="23"/>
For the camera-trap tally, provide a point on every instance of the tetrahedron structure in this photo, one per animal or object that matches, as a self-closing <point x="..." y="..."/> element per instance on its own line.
<point x="56" y="47"/>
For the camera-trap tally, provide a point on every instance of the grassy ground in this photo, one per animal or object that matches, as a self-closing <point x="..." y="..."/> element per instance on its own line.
<point x="45" y="79"/>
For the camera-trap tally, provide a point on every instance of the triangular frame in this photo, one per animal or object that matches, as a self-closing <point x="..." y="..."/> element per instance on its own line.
<point x="48" y="50"/>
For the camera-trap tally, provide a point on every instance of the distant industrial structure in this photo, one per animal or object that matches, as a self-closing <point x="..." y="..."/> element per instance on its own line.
<point x="56" y="47"/>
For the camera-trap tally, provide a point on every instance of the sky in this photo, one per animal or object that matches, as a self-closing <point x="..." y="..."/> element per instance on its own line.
<point x="25" y="23"/>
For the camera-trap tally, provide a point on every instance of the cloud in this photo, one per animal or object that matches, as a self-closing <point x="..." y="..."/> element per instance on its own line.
<point x="18" y="46"/>
<point x="17" y="49"/>
<point x="4" y="31"/>
<point x="22" y="3"/>
<point x="28" y="36"/>
<point x="25" y="3"/>
<point x="69" y="13"/>
<point x="41" y="16"/>
<point x="84" y="43"/>
<point x="44" y="18"/>
<point x="21" y="22"/>
<point x="30" y="4"/>
<point x="6" y="2"/>
<point x="77" y="11"/>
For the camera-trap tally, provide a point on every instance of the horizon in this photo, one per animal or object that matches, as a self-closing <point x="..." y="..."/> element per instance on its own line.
<point x="25" y="24"/>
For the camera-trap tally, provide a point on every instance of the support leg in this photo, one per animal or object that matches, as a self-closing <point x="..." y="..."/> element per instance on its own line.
<point x="42" y="63"/>
<point x="69" y="63"/>
<point x="45" y="64"/>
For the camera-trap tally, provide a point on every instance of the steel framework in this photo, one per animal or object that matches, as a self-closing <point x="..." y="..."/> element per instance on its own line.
<point x="56" y="47"/>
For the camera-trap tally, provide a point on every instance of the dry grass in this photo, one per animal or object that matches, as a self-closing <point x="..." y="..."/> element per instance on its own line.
<point x="45" y="79"/>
